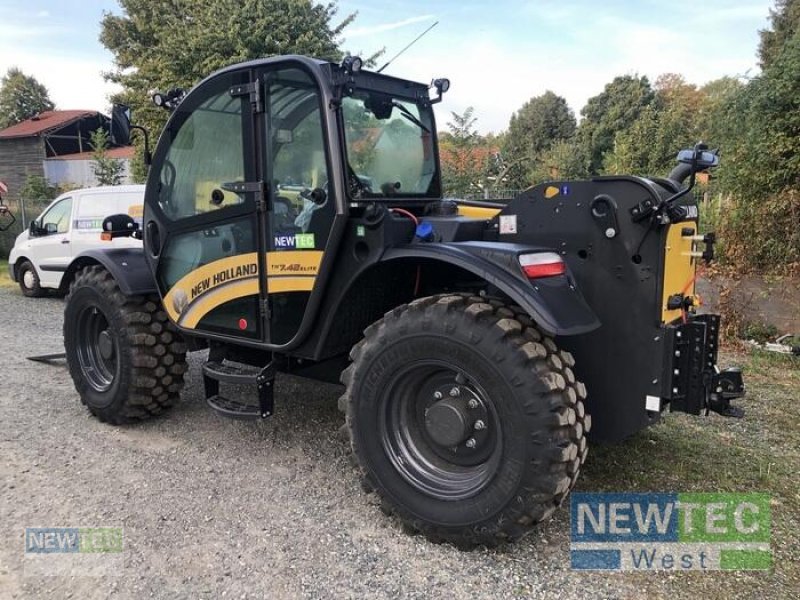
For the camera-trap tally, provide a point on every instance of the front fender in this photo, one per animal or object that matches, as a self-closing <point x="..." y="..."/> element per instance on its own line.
<point x="126" y="265"/>
<point x="555" y="303"/>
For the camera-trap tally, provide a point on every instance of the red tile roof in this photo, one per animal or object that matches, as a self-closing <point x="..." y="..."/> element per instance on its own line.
<point x="123" y="152"/>
<point x="43" y="122"/>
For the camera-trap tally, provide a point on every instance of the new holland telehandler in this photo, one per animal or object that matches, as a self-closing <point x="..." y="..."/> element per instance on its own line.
<point x="294" y="222"/>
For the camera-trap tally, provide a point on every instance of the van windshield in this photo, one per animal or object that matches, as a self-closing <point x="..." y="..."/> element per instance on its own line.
<point x="390" y="150"/>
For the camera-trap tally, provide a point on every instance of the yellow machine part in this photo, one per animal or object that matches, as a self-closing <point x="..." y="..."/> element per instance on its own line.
<point x="199" y="292"/>
<point x="679" y="268"/>
<point x="477" y="212"/>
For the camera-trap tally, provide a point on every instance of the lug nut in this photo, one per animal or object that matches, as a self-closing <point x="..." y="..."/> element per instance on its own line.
<point x="437" y="394"/>
<point x="470" y="443"/>
<point x="480" y="425"/>
<point x="472" y="403"/>
<point x="454" y="392"/>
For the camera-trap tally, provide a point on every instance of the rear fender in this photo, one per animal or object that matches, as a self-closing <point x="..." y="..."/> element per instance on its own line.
<point x="126" y="265"/>
<point x="555" y="303"/>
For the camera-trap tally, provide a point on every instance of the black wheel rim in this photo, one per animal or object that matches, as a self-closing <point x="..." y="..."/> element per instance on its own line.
<point x="98" y="348"/>
<point x="450" y="458"/>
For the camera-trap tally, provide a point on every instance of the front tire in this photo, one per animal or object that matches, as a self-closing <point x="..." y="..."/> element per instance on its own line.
<point x="465" y="419"/>
<point x="28" y="280"/>
<point x="125" y="357"/>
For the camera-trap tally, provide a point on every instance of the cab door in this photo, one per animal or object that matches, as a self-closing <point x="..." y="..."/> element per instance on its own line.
<point x="201" y="224"/>
<point x="302" y="197"/>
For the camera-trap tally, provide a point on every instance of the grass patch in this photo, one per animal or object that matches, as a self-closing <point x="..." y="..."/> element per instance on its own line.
<point x="5" y="280"/>
<point x="760" y="453"/>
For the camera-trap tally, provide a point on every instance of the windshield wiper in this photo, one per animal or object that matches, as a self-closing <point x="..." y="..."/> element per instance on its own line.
<point x="410" y="116"/>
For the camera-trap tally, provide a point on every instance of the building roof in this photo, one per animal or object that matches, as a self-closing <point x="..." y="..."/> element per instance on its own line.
<point x="118" y="153"/>
<point x="44" y="122"/>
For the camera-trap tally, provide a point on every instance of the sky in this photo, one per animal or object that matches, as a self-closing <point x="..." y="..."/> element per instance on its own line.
<point x="497" y="54"/>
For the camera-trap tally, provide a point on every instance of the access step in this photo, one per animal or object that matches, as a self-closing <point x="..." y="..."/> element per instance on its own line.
<point x="263" y="379"/>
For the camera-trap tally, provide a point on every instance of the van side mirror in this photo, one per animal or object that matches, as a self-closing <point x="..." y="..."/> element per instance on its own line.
<point x="50" y="228"/>
<point x="121" y="225"/>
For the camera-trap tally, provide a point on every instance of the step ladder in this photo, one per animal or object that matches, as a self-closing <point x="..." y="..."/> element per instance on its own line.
<point x="221" y="371"/>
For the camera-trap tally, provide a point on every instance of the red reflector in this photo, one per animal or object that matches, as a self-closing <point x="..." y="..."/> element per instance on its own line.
<point x="242" y="324"/>
<point x="543" y="264"/>
<point x="544" y="270"/>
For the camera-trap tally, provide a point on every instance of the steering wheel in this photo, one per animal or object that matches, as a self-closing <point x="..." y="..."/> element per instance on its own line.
<point x="357" y="186"/>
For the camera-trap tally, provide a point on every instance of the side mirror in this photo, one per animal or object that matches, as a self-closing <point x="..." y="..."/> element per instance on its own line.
<point x="120" y="225"/>
<point x="121" y="125"/>
<point x="50" y="228"/>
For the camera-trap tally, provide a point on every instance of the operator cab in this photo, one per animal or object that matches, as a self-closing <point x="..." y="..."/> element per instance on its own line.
<point x="256" y="172"/>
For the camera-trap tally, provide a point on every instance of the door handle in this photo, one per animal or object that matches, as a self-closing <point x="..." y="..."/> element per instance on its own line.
<point x="65" y="241"/>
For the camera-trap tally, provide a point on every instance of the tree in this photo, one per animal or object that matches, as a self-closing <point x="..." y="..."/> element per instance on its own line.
<point x="465" y="158"/>
<point x="672" y="121"/>
<point x="107" y="171"/>
<point x="785" y="21"/>
<point x="21" y="97"/>
<point x="615" y="109"/>
<point x="533" y="129"/>
<point x="163" y="44"/>
<point x="37" y="187"/>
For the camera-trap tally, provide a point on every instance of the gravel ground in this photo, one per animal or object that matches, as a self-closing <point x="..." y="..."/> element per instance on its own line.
<point x="216" y="508"/>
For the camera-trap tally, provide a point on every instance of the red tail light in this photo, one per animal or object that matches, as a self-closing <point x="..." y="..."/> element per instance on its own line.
<point x="542" y="264"/>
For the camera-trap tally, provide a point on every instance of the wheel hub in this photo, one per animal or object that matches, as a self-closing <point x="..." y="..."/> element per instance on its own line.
<point x="27" y="279"/>
<point x="448" y="422"/>
<point x="105" y="344"/>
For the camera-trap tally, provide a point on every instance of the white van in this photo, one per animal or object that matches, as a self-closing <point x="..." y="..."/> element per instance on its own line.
<point x="71" y="224"/>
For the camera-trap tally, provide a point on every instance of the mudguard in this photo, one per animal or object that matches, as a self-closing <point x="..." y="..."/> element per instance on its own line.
<point x="126" y="265"/>
<point x="555" y="303"/>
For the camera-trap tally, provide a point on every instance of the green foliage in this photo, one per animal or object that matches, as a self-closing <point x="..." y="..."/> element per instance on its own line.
<point x="162" y="44"/>
<point x="562" y="160"/>
<point x="107" y="171"/>
<point x="21" y="97"/>
<point x="612" y="111"/>
<point x="541" y="122"/>
<point x="670" y="122"/>
<point x="465" y="157"/>
<point x="785" y="21"/>
<point x="37" y="187"/>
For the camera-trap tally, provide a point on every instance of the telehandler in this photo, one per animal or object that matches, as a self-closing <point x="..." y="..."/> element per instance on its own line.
<point x="294" y="222"/>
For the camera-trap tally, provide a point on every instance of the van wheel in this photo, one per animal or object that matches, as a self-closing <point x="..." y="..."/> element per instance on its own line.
<point x="29" y="280"/>
<point x="126" y="359"/>
<point x="465" y="418"/>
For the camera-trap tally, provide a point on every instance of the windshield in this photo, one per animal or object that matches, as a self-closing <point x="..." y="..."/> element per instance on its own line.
<point x="389" y="147"/>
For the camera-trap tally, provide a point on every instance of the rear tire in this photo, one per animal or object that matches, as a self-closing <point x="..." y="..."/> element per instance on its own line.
<point x="28" y="280"/>
<point x="125" y="357"/>
<point x="465" y="419"/>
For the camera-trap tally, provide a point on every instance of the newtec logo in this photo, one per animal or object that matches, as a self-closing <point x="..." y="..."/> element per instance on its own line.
<point x="65" y="540"/>
<point x="668" y="531"/>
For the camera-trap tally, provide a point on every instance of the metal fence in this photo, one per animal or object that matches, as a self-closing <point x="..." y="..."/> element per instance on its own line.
<point x="25" y="211"/>
<point x="494" y="195"/>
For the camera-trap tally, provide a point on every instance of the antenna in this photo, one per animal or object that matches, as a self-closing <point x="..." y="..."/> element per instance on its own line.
<point x="414" y="41"/>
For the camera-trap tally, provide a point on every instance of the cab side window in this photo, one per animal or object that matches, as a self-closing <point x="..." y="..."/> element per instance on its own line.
<point x="57" y="219"/>
<point x="299" y="163"/>
<point x="206" y="151"/>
